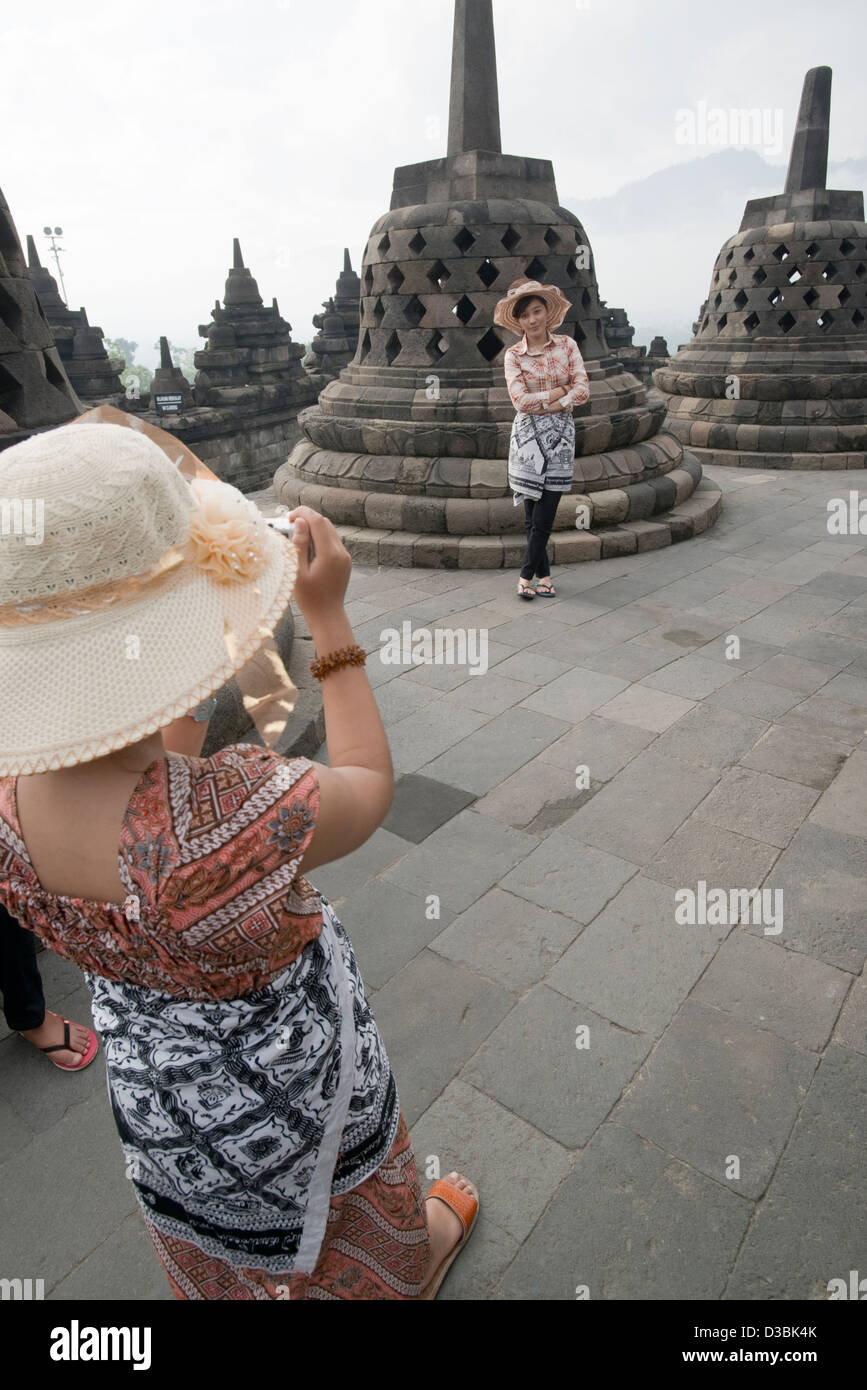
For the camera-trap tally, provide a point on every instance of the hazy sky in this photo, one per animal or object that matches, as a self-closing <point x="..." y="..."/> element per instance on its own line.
<point x="155" y="133"/>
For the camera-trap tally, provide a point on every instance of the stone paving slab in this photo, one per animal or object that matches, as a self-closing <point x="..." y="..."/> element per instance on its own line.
<point x="566" y="876"/>
<point x="751" y="803"/>
<point x="462" y="859"/>
<point x="421" y="805"/>
<point x="822" y="876"/>
<point x="506" y="938"/>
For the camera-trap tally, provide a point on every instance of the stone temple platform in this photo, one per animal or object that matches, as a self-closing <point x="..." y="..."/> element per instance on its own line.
<point x="605" y="1166"/>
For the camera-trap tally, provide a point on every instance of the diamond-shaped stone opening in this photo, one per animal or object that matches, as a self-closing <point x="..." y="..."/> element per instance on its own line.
<point x="579" y="335"/>
<point x="436" y="347"/>
<point x="706" y="322"/>
<point x="395" y="278"/>
<point x="733" y="275"/>
<point x="536" y="269"/>
<point x="749" y="254"/>
<point x="775" y="296"/>
<point x="861" y="271"/>
<point x="729" y="257"/>
<point x="780" y="253"/>
<point x="829" y="272"/>
<point x="717" y="300"/>
<point x="586" y="300"/>
<point x="417" y="244"/>
<point x="572" y="267"/>
<point x="368" y="279"/>
<point x="365" y="344"/>
<point x="464" y="309"/>
<point x="487" y="273"/>
<point x="384" y="245"/>
<point x="759" y="276"/>
<point x="438" y="274"/>
<point x="414" y="311"/>
<point x="844" y="295"/>
<point x="751" y="321"/>
<point x="857" y="318"/>
<point x="510" y="238"/>
<point x="825" y="319"/>
<point x="378" y="312"/>
<point x="716" y="277"/>
<point x="741" y="299"/>
<point x="392" y="348"/>
<point x="551" y="238"/>
<point x="812" y="250"/>
<point x="464" y="240"/>
<point x="846" y="247"/>
<point x="721" y="322"/>
<point x="787" y="322"/>
<point x="810" y="298"/>
<point x="794" y="275"/>
<point x="490" y="345"/>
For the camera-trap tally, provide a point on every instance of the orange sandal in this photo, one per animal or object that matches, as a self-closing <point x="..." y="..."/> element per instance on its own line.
<point x="465" y="1206"/>
<point x="87" y="1057"/>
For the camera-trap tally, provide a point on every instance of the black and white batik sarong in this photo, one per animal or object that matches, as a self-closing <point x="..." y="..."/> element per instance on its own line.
<point x="541" y="454"/>
<point x="239" y="1119"/>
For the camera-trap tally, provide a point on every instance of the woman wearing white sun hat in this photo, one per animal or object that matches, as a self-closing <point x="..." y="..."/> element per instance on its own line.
<point x="546" y="378"/>
<point x="252" y="1093"/>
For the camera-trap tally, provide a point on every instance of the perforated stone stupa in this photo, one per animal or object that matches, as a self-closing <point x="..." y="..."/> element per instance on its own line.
<point x="94" y="375"/>
<point x="776" y="374"/>
<point x="407" y="451"/>
<point x="35" y="392"/>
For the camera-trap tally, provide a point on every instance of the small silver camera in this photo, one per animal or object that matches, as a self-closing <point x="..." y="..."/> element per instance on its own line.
<point x="283" y="525"/>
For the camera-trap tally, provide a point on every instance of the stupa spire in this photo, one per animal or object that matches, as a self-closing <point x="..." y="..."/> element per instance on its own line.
<point x="474" y="107"/>
<point x="808" y="164"/>
<point x="237" y="258"/>
<point x="33" y="261"/>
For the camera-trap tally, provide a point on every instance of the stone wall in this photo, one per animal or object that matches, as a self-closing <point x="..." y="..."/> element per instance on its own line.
<point x="247" y="458"/>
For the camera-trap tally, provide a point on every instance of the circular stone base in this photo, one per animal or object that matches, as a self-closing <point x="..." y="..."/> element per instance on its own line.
<point x="566" y="547"/>
<point x="745" y="458"/>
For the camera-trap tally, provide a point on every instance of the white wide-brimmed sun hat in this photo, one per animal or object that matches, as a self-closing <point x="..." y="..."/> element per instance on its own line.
<point x="127" y="593"/>
<point x="557" y="303"/>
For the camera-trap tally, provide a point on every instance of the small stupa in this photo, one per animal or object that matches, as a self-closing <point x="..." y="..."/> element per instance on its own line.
<point x="331" y="349"/>
<point x="775" y="374"/>
<point x="94" y="375"/>
<point x="170" y="391"/>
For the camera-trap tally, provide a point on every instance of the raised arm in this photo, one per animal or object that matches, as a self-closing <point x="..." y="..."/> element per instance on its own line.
<point x="356" y="790"/>
<point x="530" y="402"/>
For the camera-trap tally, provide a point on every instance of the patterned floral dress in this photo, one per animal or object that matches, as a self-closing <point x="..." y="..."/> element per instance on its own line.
<point x="252" y="1093"/>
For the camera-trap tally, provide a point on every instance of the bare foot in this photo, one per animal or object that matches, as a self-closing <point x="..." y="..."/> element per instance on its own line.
<point x="444" y="1227"/>
<point x="50" y="1033"/>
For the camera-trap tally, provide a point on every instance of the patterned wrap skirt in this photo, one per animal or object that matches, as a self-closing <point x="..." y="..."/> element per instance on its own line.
<point x="263" y="1135"/>
<point x="541" y="454"/>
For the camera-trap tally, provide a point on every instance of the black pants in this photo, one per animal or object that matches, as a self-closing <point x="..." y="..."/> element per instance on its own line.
<point x="20" y="985"/>
<point x="538" y="523"/>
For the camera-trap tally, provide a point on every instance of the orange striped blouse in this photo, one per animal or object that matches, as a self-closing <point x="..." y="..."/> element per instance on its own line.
<point x="531" y="377"/>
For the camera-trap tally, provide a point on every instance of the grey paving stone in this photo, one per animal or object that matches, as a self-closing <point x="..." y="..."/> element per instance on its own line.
<point x="515" y="1168"/>
<point x="440" y="677"/>
<point x="786" y="753"/>
<point x="834" y="717"/>
<point x="750" y="655"/>
<point x="843" y="805"/>
<point x="490" y="693"/>
<point x="388" y="927"/>
<point x="509" y="940"/>
<point x="397" y="699"/>
<point x="461" y="860"/>
<point x="848" y="687"/>
<point x="754" y="804"/>
<point x="345" y="876"/>
<point x="701" y="851"/>
<point x="809" y="1229"/>
<point x="567" y="876"/>
<point x="123" y="1268"/>
<point x="824" y="647"/>
<point x="15" y="1133"/>
<point x="850" y="622"/>
<point x="683" y="634"/>
<point x="573" y="696"/>
<point x="421" y="805"/>
<point x="631" y="1223"/>
<point x="532" y="1065"/>
<point x="768" y="986"/>
<point x="527" y="629"/>
<point x="851" y="1030"/>
<point x="693" y="676"/>
<point x="795" y="673"/>
<point x="64" y="1194"/>
<point x="481" y="761"/>
<point x="630" y="661"/>
<point x="759" y="590"/>
<point x="714" y="1087"/>
<point x="653" y="710"/>
<point x="536" y="798"/>
<point x="640" y="808"/>
<point x="710" y="737"/>
<point x="422" y="736"/>
<point x="532" y="667"/>
<point x="433" y="1015"/>
<point x="822" y="875"/>
<point x="636" y="939"/>
<point x="747" y="695"/>
<point x="601" y="745"/>
<point x="846" y="586"/>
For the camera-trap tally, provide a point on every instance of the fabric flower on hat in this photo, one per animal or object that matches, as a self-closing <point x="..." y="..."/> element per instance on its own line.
<point x="227" y="535"/>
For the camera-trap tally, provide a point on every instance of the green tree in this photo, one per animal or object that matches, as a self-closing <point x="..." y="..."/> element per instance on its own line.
<point x="136" y="380"/>
<point x="182" y="357"/>
<point x="121" y="347"/>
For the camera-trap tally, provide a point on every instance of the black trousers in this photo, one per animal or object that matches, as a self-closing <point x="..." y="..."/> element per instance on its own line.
<point x="538" y="523"/>
<point x="20" y="985"/>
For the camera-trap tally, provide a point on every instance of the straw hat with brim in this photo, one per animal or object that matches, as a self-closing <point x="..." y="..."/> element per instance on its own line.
<point x="127" y="594"/>
<point x="556" y="301"/>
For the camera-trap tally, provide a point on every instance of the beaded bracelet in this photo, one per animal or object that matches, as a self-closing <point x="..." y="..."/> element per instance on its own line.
<point x="346" y="656"/>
